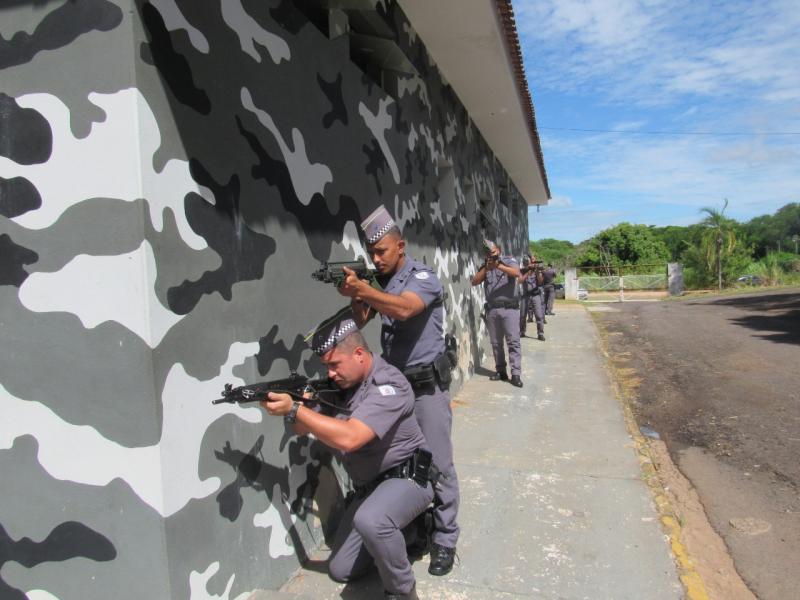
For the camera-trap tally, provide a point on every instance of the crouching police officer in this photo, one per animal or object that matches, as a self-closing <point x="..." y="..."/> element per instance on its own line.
<point x="499" y="274"/>
<point x="412" y="338"/>
<point x="383" y="451"/>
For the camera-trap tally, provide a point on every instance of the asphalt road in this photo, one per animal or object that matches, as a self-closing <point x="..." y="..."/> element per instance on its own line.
<point x="720" y="383"/>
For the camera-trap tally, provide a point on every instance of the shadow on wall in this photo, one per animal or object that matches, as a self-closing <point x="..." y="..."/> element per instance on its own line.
<point x="320" y="495"/>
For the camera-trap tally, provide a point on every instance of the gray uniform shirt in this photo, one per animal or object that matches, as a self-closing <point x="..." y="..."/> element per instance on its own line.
<point x="420" y="339"/>
<point x="498" y="286"/>
<point x="548" y="275"/>
<point x="385" y="403"/>
<point x="529" y="283"/>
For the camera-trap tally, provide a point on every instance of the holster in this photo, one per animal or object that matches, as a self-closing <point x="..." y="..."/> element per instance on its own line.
<point x="439" y="371"/>
<point x="444" y="370"/>
<point x="420" y="375"/>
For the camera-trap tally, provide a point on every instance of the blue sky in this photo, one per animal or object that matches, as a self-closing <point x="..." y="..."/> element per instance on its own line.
<point x="653" y="65"/>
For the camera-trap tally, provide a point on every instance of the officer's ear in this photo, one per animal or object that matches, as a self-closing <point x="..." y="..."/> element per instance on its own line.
<point x="401" y="246"/>
<point x="359" y="352"/>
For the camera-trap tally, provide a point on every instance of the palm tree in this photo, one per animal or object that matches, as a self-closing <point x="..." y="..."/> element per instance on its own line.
<point x="718" y="238"/>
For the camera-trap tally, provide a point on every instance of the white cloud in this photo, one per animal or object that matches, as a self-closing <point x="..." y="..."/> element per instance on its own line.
<point x="663" y="65"/>
<point x="559" y="202"/>
<point x="645" y="51"/>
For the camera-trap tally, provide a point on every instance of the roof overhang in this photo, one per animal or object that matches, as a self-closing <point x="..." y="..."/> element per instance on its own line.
<point x="474" y="44"/>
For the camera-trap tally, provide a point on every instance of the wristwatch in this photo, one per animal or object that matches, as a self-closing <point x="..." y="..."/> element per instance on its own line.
<point x="291" y="416"/>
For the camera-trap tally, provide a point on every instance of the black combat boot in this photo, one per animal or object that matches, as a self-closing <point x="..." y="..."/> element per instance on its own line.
<point x="412" y="595"/>
<point x="516" y="381"/>
<point x="498" y="376"/>
<point x="441" y="560"/>
<point x="540" y="337"/>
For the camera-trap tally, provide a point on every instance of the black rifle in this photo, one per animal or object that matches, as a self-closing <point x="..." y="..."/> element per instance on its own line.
<point x="333" y="272"/>
<point x="536" y="265"/>
<point x="295" y="385"/>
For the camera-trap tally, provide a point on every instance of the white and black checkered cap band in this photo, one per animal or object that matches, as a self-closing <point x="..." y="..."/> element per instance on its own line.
<point x="381" y="232"/>
<point x="338" y="333"/>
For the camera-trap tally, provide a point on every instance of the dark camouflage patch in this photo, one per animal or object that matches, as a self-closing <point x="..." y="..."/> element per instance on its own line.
<point x="25" y="135"/>
<point x="59" y="28"/>
<point x="12" y="259"/>
<point x="174" y="68"/>
<point x="18" y="196"/>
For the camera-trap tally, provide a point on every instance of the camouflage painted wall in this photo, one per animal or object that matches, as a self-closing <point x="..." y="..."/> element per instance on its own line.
<point x="170" y="173"/>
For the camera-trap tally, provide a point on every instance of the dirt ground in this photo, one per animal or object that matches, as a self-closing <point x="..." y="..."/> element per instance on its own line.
<point x="718" y="379"/>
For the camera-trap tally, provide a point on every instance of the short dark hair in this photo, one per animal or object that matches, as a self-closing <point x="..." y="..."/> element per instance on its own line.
<point x="395" y="232"/>
<point x="353" y="341"/>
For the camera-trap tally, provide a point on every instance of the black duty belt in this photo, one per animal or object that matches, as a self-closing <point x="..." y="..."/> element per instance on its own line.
<point x="401" y="471"/>
<point x="535" y="292"/>
<point x="502" y="304"/>
<point x="419" y="468"/>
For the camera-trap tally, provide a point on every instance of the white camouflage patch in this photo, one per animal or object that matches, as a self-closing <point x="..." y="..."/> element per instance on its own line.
<point x="422" y="275"/>
<point x="386" y="390"/>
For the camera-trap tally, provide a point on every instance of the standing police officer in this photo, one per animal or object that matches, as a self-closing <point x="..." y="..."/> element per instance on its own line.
<point x="499" y="275"/>
<point x="412" y="338"/>
<point x="548" y="280"/>
<point x="382" y="450"/>
<point x="531" y="283"/>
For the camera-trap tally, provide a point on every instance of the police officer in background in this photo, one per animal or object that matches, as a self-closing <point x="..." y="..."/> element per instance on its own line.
<point x="548" y="281"/>
<point x="499" y="274"/>
<point x="382" y="450"/>
<point x="531" y="283"/>
<point x="412" y="338"/>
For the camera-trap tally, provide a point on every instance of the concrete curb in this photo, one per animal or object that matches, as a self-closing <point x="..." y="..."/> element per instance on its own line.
<point x="624" y="386"/>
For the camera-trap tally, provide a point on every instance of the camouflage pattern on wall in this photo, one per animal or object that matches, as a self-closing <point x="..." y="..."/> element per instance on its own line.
<point x="170" y="174"/>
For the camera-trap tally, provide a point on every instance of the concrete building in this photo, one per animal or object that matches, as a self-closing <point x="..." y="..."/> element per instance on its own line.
<point x="171" y="171"/>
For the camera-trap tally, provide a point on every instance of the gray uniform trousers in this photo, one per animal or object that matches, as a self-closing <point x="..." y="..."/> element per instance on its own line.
<point x="549" y="298"/>
<point x="370" y="534"/>
<point x="503" y="324"/>
<point x="532" y="304"/>
<point x="435" y="418"/>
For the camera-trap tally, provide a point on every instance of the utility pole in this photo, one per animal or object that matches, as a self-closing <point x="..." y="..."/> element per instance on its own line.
<point x="795" y="239"/>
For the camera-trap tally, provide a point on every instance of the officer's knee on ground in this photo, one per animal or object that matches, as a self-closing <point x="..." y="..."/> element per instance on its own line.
<point x="341" y="571"/>
<point x="371" y="524"/>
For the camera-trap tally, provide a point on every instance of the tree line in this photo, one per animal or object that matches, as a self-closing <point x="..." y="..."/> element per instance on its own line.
<point x="715" y="251"/>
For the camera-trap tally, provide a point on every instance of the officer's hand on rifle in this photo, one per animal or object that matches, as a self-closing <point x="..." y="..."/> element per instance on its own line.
<point x="277" y="404"/>
<point x="351" y="286"/>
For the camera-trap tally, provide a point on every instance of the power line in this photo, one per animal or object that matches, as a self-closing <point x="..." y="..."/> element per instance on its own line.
<point x="639" y="132"/>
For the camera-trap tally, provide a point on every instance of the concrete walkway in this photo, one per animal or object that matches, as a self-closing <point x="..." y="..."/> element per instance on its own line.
<point x="553" y="501"/>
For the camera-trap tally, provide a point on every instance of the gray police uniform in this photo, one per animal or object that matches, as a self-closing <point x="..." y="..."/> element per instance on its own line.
<point x="502" y="316"/>
<point x="370" y="530"/>
<point x="549" y="276"/>
<point x="532" y="302"/>
<point x="419" y="341"/>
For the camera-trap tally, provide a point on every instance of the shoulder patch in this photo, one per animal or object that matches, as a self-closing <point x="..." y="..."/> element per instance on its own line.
<point x="422" y="275"/>
<point x="386" y="390"/>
